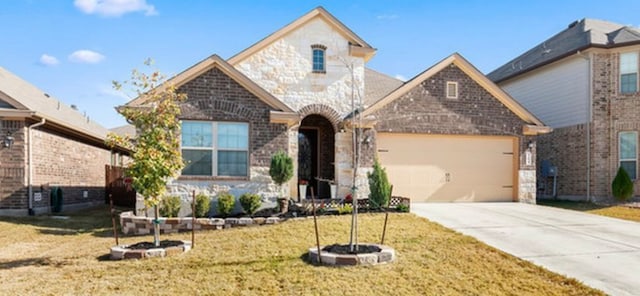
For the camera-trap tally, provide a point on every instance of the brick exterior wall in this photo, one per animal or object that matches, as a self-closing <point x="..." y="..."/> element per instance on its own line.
<point x="12" y="166"/>
<point x="612" y="113"/>
<point x="215" y="96"/>
<point x="58" y="161"/>
<point x="566" y="149"/>
<point x="76" y="167"/>
<point x="426" y="110"/>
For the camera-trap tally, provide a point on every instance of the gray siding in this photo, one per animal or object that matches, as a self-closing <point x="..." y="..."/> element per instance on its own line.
<point x="558" y="94"/>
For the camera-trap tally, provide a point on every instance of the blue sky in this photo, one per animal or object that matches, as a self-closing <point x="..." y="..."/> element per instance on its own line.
<point x="73" y="49"/>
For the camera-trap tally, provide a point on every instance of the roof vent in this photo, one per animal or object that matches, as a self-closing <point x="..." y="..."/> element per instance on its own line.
<point x="46" y="95"/>
<point x="571" y="25"/>
<point x="74" y="107"/>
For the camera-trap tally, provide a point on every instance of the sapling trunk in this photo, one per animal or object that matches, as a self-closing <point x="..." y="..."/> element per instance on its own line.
<point x="156" y="226"/>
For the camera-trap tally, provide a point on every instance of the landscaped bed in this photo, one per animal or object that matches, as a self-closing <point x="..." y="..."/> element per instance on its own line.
<point x="41" y="255"/>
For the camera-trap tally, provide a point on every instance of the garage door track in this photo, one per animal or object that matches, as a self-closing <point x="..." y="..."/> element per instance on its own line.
<point x="602" y="252"/>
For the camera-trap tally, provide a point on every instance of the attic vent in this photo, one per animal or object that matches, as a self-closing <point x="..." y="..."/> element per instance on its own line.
<point x="571" y="25"/>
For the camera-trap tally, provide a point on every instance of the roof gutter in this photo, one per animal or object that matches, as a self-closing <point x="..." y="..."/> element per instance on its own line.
<point x="569" y="53"/>
<point x="30" y="163"/>
<point x="550" y="61"/>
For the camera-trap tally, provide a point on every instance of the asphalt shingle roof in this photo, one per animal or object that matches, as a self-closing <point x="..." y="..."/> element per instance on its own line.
<point x="579" y="35"/>
<point x="377" y="86"/>
<point x="44" y="105"/>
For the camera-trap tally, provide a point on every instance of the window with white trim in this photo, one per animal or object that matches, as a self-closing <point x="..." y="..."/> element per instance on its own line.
<point x="211" y="148"/>
<point x="318" y="58"/>
<point x="628" y="72"/>
<point x="628" y="148"/>
<point x="452" y="90"/>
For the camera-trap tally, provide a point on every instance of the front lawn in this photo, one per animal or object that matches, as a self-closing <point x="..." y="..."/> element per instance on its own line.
<point x="49" y="256"/>
<point x="620" y="212"/>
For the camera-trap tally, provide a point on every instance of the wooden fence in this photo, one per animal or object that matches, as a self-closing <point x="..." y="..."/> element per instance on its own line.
<point x="122" y="193"/>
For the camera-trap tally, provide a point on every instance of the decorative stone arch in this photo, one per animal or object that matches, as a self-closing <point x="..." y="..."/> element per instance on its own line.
<point x="324" y="111"/>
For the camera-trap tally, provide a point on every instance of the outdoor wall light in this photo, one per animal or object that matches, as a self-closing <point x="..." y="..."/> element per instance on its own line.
<point x="8" y="141"/>
<point x="530" y="145"/>
<point x="367" y="140"/>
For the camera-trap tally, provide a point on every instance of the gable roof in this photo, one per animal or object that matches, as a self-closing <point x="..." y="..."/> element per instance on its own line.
<point x="209" y="63"/>
<point x="27" y="100"/>
<point x="377" y="85"/>
<point x="474" y="74"/>
<point x="578" y="36"/>
<point x="357" y="43"/>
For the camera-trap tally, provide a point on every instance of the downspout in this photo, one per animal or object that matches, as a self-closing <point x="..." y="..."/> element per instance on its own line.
<point x="589" y="58"/>
<point x="30" y="164"/>
<point x="589" y="119"/>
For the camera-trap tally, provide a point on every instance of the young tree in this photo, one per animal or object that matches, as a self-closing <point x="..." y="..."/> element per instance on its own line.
<point x="281" y="171"/>
<point x="378" y="186"/>
<point x="156" y="145"/>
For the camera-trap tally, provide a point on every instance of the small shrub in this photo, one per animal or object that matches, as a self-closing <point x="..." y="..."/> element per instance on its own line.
<point x="402" y="208"/>
<point x="281" y="169"/>
<point x="345" y="209"/>
<point x="203" y="205"/>
<point x="250" y="203"/>
<point x="379" y="186"/>
<point x="622" y="186"/>
<point x="170" y="206"/>
<point x="226" y="203"/>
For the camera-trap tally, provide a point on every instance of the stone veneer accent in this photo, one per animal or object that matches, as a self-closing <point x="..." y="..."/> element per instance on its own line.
<point x="283" y="68"/>
<point x="426" y="110"/>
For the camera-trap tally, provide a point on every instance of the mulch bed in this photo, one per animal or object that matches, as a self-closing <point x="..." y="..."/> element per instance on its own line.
<point x="346" y="249"/>
<point x="148" y="245"/>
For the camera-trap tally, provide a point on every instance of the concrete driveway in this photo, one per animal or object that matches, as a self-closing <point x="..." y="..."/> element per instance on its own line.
<point x="602" y="252"/>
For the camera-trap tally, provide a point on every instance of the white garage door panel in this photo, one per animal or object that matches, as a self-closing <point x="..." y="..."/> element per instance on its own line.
<point x="448" y="168"/>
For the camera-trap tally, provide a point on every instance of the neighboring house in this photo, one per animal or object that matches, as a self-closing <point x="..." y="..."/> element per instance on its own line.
<point x="583" y="82"/>
<point x="449" y="134"/>
<point x="47" y="147"/>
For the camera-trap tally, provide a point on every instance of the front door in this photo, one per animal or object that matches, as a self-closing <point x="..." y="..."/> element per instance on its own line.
<point x="316" y="147"/>
<point x="308" y="158"/>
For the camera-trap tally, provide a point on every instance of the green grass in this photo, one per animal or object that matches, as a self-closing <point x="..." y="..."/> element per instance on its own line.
<point x="620" y="212"/>
<point x="45" y="256"/>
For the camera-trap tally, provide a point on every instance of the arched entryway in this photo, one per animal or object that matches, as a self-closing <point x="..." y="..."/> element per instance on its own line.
<point x="316" y="154"/>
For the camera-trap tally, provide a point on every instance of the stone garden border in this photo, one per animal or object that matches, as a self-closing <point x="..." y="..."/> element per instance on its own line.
<point x="136" y="225"/>
<point x="386" y="255"/>
<point x="123" y="252"/>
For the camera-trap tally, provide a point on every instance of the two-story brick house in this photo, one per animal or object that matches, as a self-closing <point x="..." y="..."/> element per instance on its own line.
<point x="296" y="90"/>
<point x="583" y="82"/>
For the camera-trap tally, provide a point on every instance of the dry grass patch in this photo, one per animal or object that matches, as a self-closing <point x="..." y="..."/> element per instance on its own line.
<point x="620" y="212"/>
<point x="48" y="256"/>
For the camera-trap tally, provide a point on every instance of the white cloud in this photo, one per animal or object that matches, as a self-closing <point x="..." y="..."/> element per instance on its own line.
<point x="400" y="77"/>
<point x="114" y="8"/>
<point x="47" y="60"/>
<point x="387" y="16"/>
<point x="85" y="56"/>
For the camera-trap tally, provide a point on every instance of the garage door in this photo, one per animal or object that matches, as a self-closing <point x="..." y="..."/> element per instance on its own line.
<point x="449" y="168"/>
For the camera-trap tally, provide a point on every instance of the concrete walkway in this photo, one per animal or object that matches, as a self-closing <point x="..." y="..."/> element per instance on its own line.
<point x="601" y="252"/>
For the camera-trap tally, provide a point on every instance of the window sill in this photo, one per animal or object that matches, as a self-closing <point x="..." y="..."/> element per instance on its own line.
<point x="319" y="72"/>
<point x="212" y="178"/>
